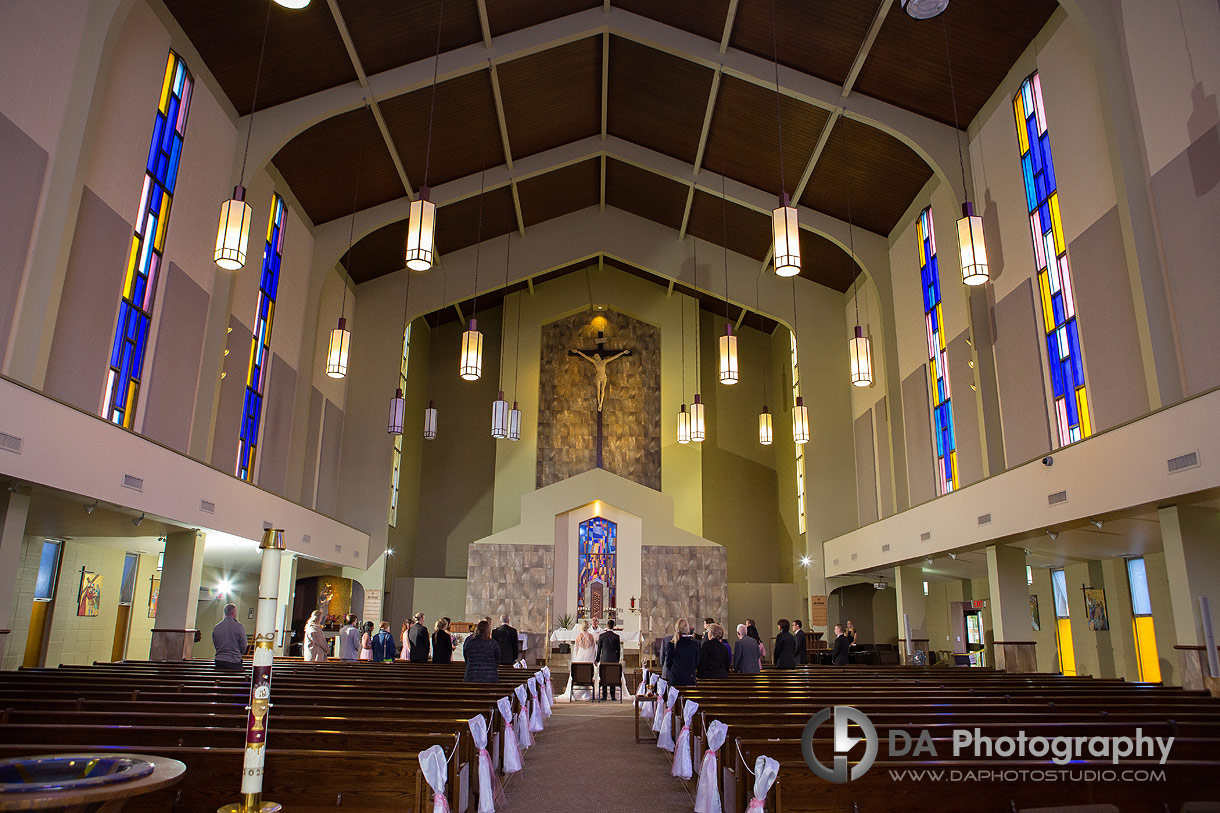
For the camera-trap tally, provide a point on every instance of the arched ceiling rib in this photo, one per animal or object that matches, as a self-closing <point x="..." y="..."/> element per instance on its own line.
<point x="687" y="84"/>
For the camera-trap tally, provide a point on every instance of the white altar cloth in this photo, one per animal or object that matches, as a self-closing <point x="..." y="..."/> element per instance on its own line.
<point x="567" y="636"/>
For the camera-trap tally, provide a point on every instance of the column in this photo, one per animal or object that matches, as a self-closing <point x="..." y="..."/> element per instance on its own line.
<point x="287" y="592"/>
<point x="1010" y="619"/>
<point x="173" y="639"/>
<point x="912" y="611"/>
<point x="13" y="510"/>
<point x="1191" y="538"/>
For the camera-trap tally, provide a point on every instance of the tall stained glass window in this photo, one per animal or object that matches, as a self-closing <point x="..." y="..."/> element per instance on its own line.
<point x="938" y="361"/>
<point x="147" y="243"/>
<point x="260" y="342"/>
<point x="597" y="560"/>
<point x="402" y="385"/>
<point x="800" y="447"/>
<point x="1063" y="353"/>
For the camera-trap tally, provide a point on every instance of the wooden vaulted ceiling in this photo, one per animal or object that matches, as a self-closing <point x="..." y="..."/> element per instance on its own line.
<point x="667" y="104"/>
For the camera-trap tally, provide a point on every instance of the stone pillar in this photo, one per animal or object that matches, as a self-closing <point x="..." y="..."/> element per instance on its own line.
<point x="1010" y="619"/>
<point x="912" y="609"/>
<point x="1191" y="538"/>
<point x="287" y="592"/>
<point x="13" y="510"/>
<point x="173" y="638"/>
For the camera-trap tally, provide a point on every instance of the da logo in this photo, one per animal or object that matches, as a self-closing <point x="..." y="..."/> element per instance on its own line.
<point x="842" y="717"/>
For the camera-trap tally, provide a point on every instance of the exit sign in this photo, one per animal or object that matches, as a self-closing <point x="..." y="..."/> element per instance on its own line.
<point x="978" y="604"/>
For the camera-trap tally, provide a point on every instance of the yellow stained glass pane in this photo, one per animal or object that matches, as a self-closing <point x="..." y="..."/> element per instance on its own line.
<point x="1145" y="646"/>
<point x="1082" y="404"/>
<point x="131" y="265"/>
<point x="129" y="413"/>
<point x="250" y="365"/>
<point x="923" y="260"/>
<point x="169" y="75"/>
<point x="1048" y="313"/>
<point x="162" y="222"/>
<point x="1056" y="225"/>
<point x="953" y="465"/>
<point x="1067" y="655"/>
<point x="1019" y="110"/>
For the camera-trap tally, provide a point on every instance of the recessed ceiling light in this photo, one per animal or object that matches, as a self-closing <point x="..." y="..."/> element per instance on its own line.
<point x="918" y="9"/>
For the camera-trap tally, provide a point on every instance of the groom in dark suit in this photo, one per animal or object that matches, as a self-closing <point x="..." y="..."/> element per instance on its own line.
<point x="609" y="650"/>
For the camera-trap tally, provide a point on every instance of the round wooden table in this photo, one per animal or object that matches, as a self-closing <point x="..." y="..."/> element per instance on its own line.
<point x="100" y="798"/>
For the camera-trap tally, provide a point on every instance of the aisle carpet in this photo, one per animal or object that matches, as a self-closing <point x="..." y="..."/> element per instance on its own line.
<point x="587" y="760"/>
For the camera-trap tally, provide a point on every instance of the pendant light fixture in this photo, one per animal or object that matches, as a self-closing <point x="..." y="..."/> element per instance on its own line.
<point x="293" y="3"/>
<point x="514" y="414"/>
<point x="430" y="421"/>
<point x="398" y="404"/>
<point x="421" y="221"/>
<point x="233" y="233"/>
<point x="430" y="413"/>
<point x="698" y="426"/>
<point x="341" y="337"/>
<point x="924" y="9"/>
<point x="766" y="427"/>
<point x="785" y="232"/>
<point x="970" y="241"/>
<point x="728" y="342"/>
<point x="800" y="412"/>
<point x="470" y="364"/>
<point x="858" y="348"/>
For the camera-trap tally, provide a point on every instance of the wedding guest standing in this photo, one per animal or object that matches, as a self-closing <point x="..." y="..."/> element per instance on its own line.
<point x="482" y="655"/>
<point x="713" y="659"/>
<point x="747" y="653"/>
<point x="840" y="654"/>
<point x="798" y="635"/>
<point x="417" y="638"/>
<point x="229" y="638"/>
<point x="349" y="639"/>
<point x="506" y="636"/>
<point x="683" y="655"/>
<point x="609" y="650"/>
<point x="366" y="642"/>
<point x="785" y="647"/>
<point x="442" y="643"/>
<point x="383" y="644"/>
<point x="315" y="638"/>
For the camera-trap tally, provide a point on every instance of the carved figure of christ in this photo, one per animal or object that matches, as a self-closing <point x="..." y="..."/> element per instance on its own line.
<point x="599" y="365"/>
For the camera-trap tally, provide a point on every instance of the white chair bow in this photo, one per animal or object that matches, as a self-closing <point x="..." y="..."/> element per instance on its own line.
<point x="436" y="768"/>
<point x="766" y="771"/>
<point x="659" y="713"/>
<point x="707" y="794"/>
<point x="490" y="788"/>
<point x="665" y="737"/>
<point x="512" y="749"/>
<point x="535" y="706"/>
<point x="683" y="766"/>
<point x="524" y="738"/>
<point x="544" y="693"/>
<point x="645" y="705"/>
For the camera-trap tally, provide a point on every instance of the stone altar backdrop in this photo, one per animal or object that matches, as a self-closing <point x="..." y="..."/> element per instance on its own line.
<point x="567" y="399"/>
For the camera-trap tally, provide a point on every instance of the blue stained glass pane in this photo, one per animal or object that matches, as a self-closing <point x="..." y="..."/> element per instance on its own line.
<point x="1057" y="307"/>
<point x="161" y="165"/>
<point x="1029" y="183"/>
<point x="1040" y="186"/>
<point x="952" y="432"/>
<point x="1074" y="344"/>
<point x="935" y="276"/>
<point x="1035" y="154"/>
<point x="1044" y="216"/>
<point x="1045" y="143"/>
<point x="1070" y="401"/>
<point x="138" y="284"/>
<point x="171" y="114"/>
<point x="1052" y="350"/>
<point x="156" y="140"/>
<point x="172" y="172"/>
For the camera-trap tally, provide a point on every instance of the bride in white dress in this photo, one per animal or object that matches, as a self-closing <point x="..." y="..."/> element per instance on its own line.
<point x="585" y="650"/>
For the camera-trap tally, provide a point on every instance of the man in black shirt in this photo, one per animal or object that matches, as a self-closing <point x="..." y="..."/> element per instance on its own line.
<point x="842" y="647"/>
<point x="418" y="640"/>
<point x="798" y="632"/>
<point x="506" y="636"/>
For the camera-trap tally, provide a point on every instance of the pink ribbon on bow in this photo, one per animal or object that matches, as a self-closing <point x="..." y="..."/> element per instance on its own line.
<point x="442" y="800"/>
<point x="756" y="804"/>
<point x="497" y="787"/>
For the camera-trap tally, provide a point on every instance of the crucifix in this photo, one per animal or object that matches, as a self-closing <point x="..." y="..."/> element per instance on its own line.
<point x="599" y="357"/>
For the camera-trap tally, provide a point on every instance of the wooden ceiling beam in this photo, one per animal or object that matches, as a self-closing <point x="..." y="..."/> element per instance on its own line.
<point x="934" y="142"/>
<point x="346" y="36"/>
<point x="729" y="18"/>
<point x="605" y="85"/>
<point x="484" y="25"/>
<point x="517" y="209"/>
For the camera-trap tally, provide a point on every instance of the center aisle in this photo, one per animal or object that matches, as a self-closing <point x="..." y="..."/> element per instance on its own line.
<point x="587" y="759"/>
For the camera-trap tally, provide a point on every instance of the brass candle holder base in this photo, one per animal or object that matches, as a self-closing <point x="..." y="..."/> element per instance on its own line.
<point x="251" y="803"/>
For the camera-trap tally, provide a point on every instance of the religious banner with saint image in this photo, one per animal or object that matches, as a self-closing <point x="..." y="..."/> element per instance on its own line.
<point x="89" y="598"/>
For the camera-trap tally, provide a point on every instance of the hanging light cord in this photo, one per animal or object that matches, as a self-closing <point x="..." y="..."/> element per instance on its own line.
<point x="779" y="121"/>
<point x="436" y="64"/>
<point x="762" y="329"/>
<point x="724" y="211"/>
<point x="405" y="300"/>
<point x="851" y="244"/>
<point x="258" y="75"/>
<point x="478" y="246"/>
<point x="503" y="320"/>
<point x="682" y="312"/>
<point x="957" y="136"/>
<point x="694" y="244"/>
<point x="351" y="234"/>
<point x="517" y="350"/>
